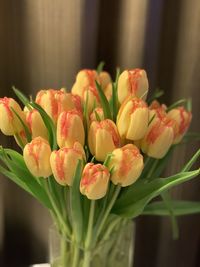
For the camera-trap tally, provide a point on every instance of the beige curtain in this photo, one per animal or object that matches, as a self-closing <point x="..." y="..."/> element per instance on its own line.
<point x="43" y="43"/>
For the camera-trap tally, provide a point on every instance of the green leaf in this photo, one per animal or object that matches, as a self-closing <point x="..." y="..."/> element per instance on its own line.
<point x="21" y="97"/>
<point x="26" y="129"/>
<point x="48" y="123"/>
<point x="100" y="67"/>
<point x="114" y="102"/>
<point x="132" y="204"/>
<point x="177" y="104"/>
<point x="104" y="102"/>
<point x="180" y="208"/>
<point x="190" y="163"/>
<point x="19" y="173"/>
<point x="76" y="205"/>
<point x="158" y="93"/>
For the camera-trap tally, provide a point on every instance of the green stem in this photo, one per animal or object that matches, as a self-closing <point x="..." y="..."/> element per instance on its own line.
<point x="57" y="212"/>
<point x="107" y="211"/>
<point x="88" y="241"/>
<point x="75" y="262"/>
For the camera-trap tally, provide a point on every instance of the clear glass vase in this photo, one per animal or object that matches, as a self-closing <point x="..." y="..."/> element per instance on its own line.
<point x="114" y="251"/>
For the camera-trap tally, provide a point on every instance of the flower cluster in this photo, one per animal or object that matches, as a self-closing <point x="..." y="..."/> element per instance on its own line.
<point x="114" y="149"/>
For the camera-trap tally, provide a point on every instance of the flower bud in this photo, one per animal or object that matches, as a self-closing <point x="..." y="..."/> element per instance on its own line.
<point x="105" y="79"/>
<point x="36" y="124"/>
<point x="70" y="129"/>
<point x="96" y="115"/>
<point x="64" y="162"/>
<point x="132" y="119"/>
<point x="91" y="97"/>
<point x="126" y="164"/>
<point x="182" y="120"/>
<point x="84" y="79"/>
<point x="9" y="122"/>
<point x="159" y="136"/>
<point x="132" y="82"/>
<point x="37" y="157"/>
<point x="108" y="91"/>
<point x="103" y="138"/>
<point x="56" y="101"/>
<point x="94" y="182"/>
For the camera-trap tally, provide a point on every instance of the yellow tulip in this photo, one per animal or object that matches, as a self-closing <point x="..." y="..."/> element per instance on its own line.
<point x="182" y="120"/>
<point x="97" y="113"/>
<point x="103" y="138"/>
<point x="159" y="136"/>
<point x="94" y="181"/>
<point x="91" y="97"/>
<point x="36" y="124"/>
<point x="108" y="91"/>
<point x="37" y="157"/>
<point x="9" y="122"/>
<point x="104" y="79"/>
<point x="56" y="101"/>
<point x="126" y="164"/>
<point x="132" y="82"/>
<point x="84" y="79"/>
<point x="64" y="162"/>
<point x="132" y="119"/>
<point x="70" y="129"/>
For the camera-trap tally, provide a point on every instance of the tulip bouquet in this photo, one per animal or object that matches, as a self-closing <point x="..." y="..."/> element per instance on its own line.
<point x="94" y="158"/>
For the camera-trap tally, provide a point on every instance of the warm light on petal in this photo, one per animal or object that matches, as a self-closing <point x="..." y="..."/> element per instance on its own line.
<point x="94" y="182"/>
<point x="132" y="82"/>
<point x="37" y="157"/>
<point x="126" y="164"/>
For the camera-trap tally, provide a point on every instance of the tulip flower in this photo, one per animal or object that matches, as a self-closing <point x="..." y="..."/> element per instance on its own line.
<point x="94" y="182"/>
<point x="64" y="162"/>
<point x="70" y="129"/>
<point x="91" y="97"/>
<point x="103" y="138"/>
<point x="36" y="124"/>
<point x="132" y="82"/>
<point x="126" y="164"/>
<point x="132" y="119"/>
<point x="84" y="79"/>
<point x="182" y="120"/>
<point x="9" y="122"/>
<point x="108" y="91"/>
<point x="97" y="113"/>
<point x="56" y="101"/>
<point x="104" y="79"/>
<point x="159" y="136"/>
<point x="37" y="157"/>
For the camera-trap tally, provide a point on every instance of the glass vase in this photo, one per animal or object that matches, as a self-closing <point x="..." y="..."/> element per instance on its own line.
<point x="114" y="250"/>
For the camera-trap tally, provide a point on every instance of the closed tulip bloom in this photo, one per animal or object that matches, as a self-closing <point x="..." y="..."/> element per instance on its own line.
<point x="159" y="137"/>
<point x="36" y="124"/>
<point x="94" y="181"/>
<point x="37" y="157"/>
<point x="96" y="115"/>
<point x="126" y="164"/>
<point x="70" y="129"/>
<point x="103" y="138"/>
<point x="64" y="162"/>
<point x="9" y="122"/>
<point x="108" y="91"/>
<point x="104" y="79"/>
<point x="56" y="101"/>
<point x="182" y="120"/>
<point x="90" y="95"/>
<point x="84" y="79"/>
<point x="132" y="119"/>
<point x="132" y="82"/>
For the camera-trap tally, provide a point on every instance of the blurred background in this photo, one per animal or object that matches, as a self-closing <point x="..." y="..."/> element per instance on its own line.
<point x="43" y="44"/>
